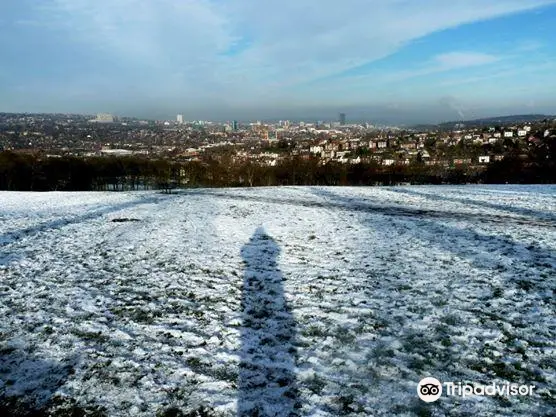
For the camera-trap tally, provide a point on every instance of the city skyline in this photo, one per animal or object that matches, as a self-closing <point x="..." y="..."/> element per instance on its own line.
<point x="394" y="61"/>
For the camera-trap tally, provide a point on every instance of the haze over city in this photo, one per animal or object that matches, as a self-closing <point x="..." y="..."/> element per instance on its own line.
<point x="395" y="61"/>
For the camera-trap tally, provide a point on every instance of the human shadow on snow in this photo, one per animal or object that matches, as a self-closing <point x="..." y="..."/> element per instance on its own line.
<point x="267" y="381"/>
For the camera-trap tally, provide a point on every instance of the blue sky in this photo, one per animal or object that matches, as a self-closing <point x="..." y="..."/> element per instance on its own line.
<point x="402" y="60"/>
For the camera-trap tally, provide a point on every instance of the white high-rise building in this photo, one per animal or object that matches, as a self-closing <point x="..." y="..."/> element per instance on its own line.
<point x="179" y="118"/>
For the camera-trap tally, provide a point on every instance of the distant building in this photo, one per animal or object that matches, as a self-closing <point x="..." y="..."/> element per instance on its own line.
<point x="116" y="152"/>
<point x="179" y="118"/>
<point x="316" y="149"/>
<point x="342" y="119"/>
<point x="104" y="118"/>
<point x="235" y="125"/>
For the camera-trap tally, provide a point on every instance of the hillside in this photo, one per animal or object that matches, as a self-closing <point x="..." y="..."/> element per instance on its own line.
<point x="499" y="120"/>
<point x="293" y="301"/>
<point x="485" y="122"/>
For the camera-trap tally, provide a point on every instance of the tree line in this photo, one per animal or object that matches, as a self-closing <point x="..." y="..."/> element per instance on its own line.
<point x="25" y="172"/>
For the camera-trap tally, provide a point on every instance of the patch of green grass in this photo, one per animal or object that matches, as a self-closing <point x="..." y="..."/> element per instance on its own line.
<point x="7" y="350"/>
<point x="314" y="331"/>
<point x="525" y="285"/>
<point x="452" y="320"/>
<point x="344" y="336"/>
<point x="170" y="412"/>
<point x="56" y="407"/>
<point x="92" y="336"/>
<point x="497" y="292"/>
<point x="316" y="384"/>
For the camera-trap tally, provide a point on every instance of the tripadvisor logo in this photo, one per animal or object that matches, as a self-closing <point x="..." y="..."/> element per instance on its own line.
<point x="430" y="389"/>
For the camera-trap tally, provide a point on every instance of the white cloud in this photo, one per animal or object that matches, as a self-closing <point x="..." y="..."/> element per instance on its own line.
<point x="449" y="61"/>
<point x="391" y="82"/>
<point x="508" y="72"/>
<point x="171" y="41"/>
<point x="529" y="45"/>
<point x="139" y="26"/>
<point x="178" y="46"/>
<point x="454" y="60"/>
<point x="306" y="40"/>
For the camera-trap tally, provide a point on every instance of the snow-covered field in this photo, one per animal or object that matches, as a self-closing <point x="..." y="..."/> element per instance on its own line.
<point x="307" y="301"/>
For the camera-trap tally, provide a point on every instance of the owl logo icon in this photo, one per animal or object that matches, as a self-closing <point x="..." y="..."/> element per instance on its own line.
<point x="429" y="389"/>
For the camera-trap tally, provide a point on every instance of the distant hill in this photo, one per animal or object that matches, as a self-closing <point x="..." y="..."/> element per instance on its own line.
<point x="499" y="120"/>
<point x="488" y="121"/>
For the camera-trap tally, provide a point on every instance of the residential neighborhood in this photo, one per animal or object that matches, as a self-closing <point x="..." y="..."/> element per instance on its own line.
<point x="444" y="153"/>
<point x="265" y="143"/>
